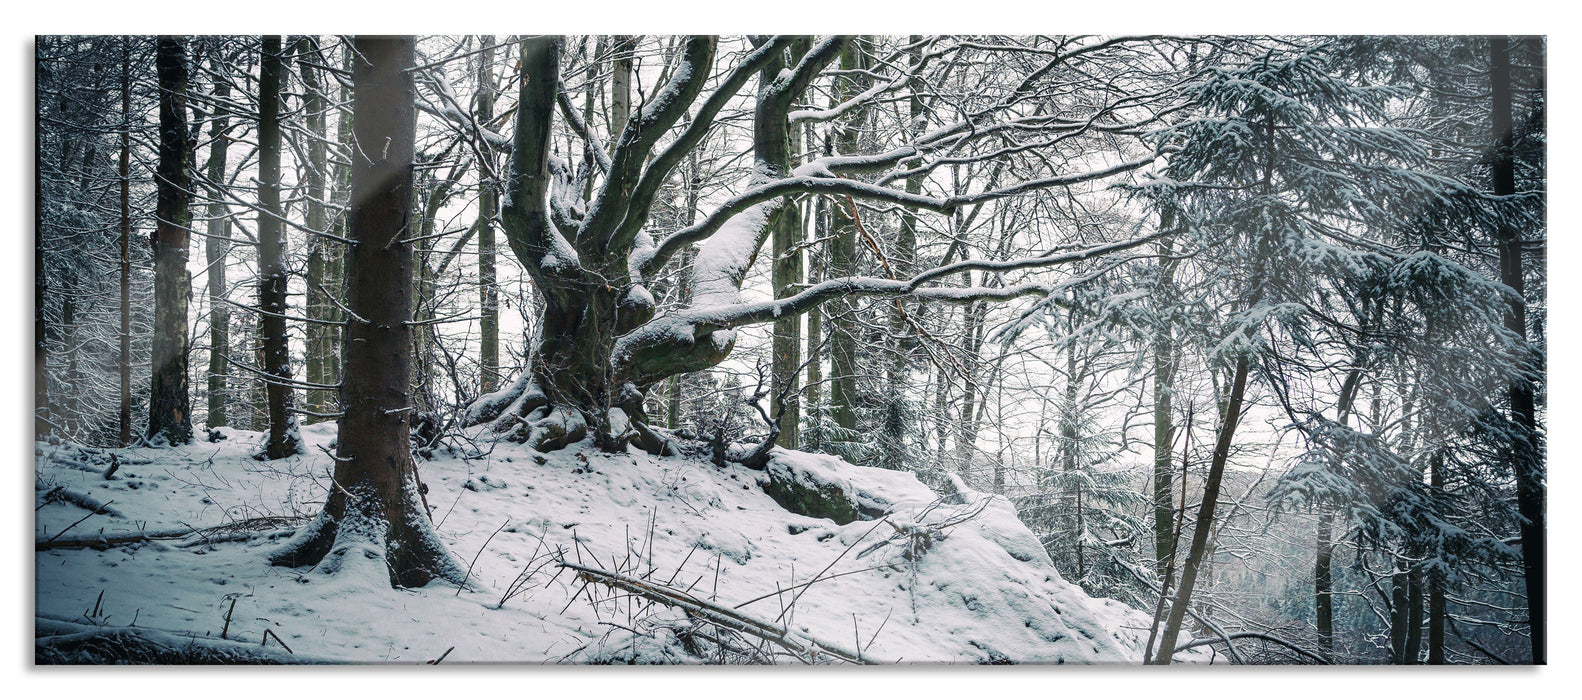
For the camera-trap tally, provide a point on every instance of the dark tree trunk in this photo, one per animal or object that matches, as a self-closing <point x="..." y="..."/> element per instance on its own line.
<point x="1400" y="601"/>
<point x="169" y="406"/>
<point x="1436" y="583"/>
<point x="1414" y="616"/>
<point x="282" y="440"/>
<point x="1205" y="516"/>
<point x="1323" y="585"/>
<point x="375" y="516"/>
<point x="1527" y="452"/>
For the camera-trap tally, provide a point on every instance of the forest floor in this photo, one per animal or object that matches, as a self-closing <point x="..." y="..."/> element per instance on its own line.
<point x="916" y="578"/>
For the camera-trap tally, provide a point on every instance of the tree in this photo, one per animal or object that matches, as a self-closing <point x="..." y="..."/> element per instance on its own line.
<point x="1526" y="453"/>
<point x="488" y="209"/>
<point x="169" y="408"/>
<point x="375" y="516"/>
<point x="602" y="346"/>
<point x="282" y="440"/>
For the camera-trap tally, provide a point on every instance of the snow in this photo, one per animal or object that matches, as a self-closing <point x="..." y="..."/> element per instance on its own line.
<point x="952" y="580"/>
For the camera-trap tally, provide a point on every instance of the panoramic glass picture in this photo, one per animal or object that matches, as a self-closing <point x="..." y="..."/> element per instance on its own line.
<point x="739" y="350"/>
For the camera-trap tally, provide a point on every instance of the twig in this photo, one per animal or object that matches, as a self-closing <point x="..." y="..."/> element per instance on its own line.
<point x="800" y="646"/>
<point x="464" y="578"/>
<point x="75" y="524"/>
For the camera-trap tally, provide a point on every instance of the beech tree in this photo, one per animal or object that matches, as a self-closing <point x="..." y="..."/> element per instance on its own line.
<point x="601" y="346"/>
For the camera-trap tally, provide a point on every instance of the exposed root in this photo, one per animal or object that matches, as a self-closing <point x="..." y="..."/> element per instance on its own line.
<point x="354" y="531"/>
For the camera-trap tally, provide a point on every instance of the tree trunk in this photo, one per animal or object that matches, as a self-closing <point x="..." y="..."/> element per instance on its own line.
<point x="169" y="413"/>
<point x="786" y="273"/>
<point x="282" y="440"/>
<point x="843" y="263"/>
<point x="319" y="341"/>
<point x="1400" y="601"/>
<point x="901" y="267"/>
<point x="1527" y="452"/>
<point x="1323" y="584"/>
<point x="1164" y="386"/>
<point x="1436" y="582"/>
<point x="1205" y="516"/>
<point x="1414" y="616"/>
<point x="488" y="208"/>
<point x="620" y="86"/>
<point x="374" y="516"/>
<point x="124" y="359"/>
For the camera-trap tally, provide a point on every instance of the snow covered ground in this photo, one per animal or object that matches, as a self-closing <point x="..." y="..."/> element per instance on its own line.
<point x="958" y="579"/>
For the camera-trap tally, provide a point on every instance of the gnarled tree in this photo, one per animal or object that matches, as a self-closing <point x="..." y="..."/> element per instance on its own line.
<point x="602" y="345"/>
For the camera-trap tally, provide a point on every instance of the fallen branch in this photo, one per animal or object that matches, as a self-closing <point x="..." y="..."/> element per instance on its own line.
<point x="240" y="531"/>
<point x="801" y="646"/>
<point x="1255" y="635"/>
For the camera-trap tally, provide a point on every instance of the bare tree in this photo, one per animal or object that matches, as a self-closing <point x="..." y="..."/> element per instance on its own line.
<point x="374" y="513"/>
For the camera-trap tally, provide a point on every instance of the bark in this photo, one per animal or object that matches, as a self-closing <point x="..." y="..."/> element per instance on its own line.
<point x="842" y="324"/>
<point x="319" y="337"/>
<point x="786" y="277"/>
<point x="1164" y="388"/>
<point x="282" y="440"/>
<point x="901" y="267"/>
<point x="1400" y="601"/>
<point x="124" y="359"/>
<point x="621" y="86"/>
<point x="1205" y="516"/>
<point x="374" y="516"/>
<point x="1436" y="583"/>
<point x="1414" y="616"/>
<point x="488" y="209"/>
<point x="169" y="412"/>
<point x="1526" y="452"/>
<point x="1323" y="583"/>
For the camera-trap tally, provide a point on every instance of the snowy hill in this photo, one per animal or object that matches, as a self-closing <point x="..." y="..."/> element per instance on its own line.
<point x="898" y="573"/>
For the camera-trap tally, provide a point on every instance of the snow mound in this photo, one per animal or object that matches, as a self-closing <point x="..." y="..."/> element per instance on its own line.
<point x="865" y="559"/>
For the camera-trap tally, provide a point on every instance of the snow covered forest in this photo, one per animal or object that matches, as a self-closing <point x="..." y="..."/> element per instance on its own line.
<point x="790" y="349"/>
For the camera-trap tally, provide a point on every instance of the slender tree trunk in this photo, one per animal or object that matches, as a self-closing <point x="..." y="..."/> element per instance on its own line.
<point x="488" y="208"/>
<point x="1205" y="517"/>
<point x="1526" y="454"/>
<point x="319" y="343"/>
<point x="843" y="263"/>
<point x="375" y="516"/>
<point x="902" y="263"/>
<point x="1323" y="584"/>
<point x="169" y="413"/>
<point x="282" y="440"/>
<point x="1164" y="388"/>
<point x="1414" y="616"/>
<point x="786" y="271"/>
<point x="815" y="329"/>
<point x="1436" y="582"/>
<point x="124" y="360"/>
<point x="1400" y="601"/>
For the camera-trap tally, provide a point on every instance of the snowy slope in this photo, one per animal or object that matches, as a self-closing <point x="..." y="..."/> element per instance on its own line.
<point x="958" y="579"/>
